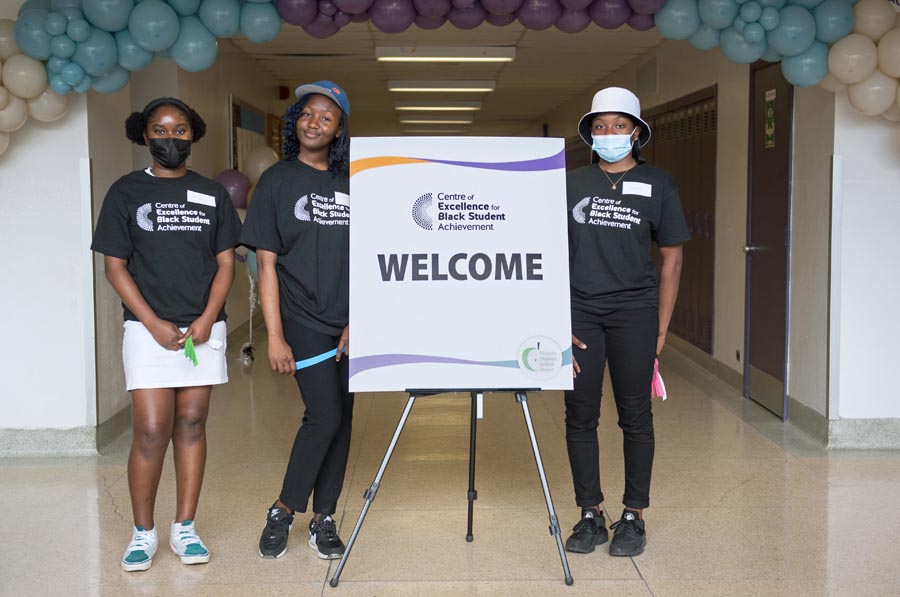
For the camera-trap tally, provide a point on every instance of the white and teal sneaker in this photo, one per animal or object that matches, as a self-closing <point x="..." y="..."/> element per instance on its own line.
<point x="186" y="544"/>
<point x="139" y="553"/>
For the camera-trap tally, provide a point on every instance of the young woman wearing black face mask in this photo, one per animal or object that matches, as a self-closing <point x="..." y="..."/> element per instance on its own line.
<point x="168" y="236"/>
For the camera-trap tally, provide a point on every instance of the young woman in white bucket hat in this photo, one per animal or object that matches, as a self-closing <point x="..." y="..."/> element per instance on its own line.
<point x="619" y="207"/>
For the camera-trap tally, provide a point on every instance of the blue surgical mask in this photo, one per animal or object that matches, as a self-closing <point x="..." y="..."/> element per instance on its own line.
<point x="612" y="148"/>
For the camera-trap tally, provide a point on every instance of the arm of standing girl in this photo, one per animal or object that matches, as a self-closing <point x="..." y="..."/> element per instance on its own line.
<point x="281" y="358"/>
<point x="669" y="279"/>
<point x="201" y="328"/>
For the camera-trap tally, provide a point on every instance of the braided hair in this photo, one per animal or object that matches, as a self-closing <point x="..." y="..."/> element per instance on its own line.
<point x="338" y="154"/>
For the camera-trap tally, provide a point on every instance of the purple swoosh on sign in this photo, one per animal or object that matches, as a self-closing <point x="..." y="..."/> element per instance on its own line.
<point x="552" y="162"/>
<point x="360" y="364"/>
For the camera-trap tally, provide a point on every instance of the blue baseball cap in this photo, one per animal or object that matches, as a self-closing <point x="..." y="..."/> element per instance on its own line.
<point x="329" y="89"/>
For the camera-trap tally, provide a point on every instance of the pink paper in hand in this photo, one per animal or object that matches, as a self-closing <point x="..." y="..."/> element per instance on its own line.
<point x="658" y="388"/>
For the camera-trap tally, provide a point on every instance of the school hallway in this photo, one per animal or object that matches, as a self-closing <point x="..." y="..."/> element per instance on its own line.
<point x="741" y="505"/>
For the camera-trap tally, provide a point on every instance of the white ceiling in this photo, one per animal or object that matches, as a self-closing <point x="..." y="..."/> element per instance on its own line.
<point x="550" y="68"/>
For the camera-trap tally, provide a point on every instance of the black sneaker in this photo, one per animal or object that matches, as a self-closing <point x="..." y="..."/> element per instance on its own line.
<point x="274" y="539"/>
<point x="630" y="537"/>
<point x="323" y="538"/>
<point x="589" y="532"/>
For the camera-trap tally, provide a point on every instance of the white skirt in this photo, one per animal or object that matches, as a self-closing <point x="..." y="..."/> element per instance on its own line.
<point x="149" y="365"/>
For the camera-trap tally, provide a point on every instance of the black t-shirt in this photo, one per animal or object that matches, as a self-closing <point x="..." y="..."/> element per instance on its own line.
<point x="303" y="215"/>
<point x="170" y="231"/>
<point x="611" y="233"/>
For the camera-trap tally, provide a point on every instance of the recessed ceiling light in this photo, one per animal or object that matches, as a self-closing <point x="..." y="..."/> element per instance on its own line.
<point x="442" y="86"/>
<point x="445" y="54"/>
<point x="435" y="120"/>
<point x="433" y="131"/>
<point x="438" y="106"/>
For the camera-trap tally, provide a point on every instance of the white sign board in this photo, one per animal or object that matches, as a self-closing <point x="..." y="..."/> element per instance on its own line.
<point x="459" y="270"/>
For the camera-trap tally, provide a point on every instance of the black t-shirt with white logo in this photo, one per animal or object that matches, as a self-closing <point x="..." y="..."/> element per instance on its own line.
<point x="611" y="233"/>
<point x="303" y="215"/>
<point x="170" y="231"/>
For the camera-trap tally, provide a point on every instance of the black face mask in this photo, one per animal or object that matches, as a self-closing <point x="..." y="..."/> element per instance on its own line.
<point x="169" y="152"/>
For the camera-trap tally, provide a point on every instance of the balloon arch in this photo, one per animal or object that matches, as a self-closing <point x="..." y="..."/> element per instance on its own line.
<point x="57" y="47"/>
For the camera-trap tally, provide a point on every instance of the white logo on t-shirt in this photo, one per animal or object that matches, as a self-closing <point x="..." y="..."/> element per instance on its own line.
<point x="578" y="210"/>
<point x="300" y="209"/>
<point x="143" y="221"/>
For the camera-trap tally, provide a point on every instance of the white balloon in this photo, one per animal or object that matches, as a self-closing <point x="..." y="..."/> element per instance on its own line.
<point x="24" y="76"/>
<point x="832" y="84"/>
<point x="853" y="59"/>
<point x="874" y="18"/>
<point x="258" y="161"/>
<point x="4" y="142"/>
<point x="14" y="116"/>
<point x="889" y="53"/>
<point x="875" y="95"/>
<point x="8" y="45"/>
<point x="4" y="97"/>
<point x="48" y="106"/>
<point x="893" y="114"/>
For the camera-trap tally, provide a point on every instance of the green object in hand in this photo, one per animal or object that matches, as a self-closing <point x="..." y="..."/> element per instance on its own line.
<point x="189" y="351"/>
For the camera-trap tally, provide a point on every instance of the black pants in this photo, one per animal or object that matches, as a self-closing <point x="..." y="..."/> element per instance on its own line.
<point x="626" y="339"/>
<point x="319" y="456"/>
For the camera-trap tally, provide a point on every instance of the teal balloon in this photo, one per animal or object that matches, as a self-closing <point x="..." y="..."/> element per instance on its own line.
<point x="164" y="54"/>
<point x="62" y="46"/>
<point x="795" y="31"/>
<point x="85" y="84"/>
<point x="154" y="25"/>
<point x="737" y="49"/>
<point x="78" y="29"/>
<point x="72" y="73"/>
<point x="705" y="38"/>
<point x="260" y="23"/>
<point x="131" y="56"/>
<point x="771" y="56"/>
<point x="778" y="4"/>
<point x="34" y="5"/>
<point x="31" y="37"/>
<point x="56" y="23"/>
<point x="754" y="32"/>
<point x="185" y="7"/>
<point x="718" y="14"/>
<point x="678" y="19"/>
<point x="739" y="24"/>
<point x="72" y="13"/>
<point x="59" y="86"/>
<point x="112" y="81"/>
<point x="109" y="15"/>
<point x="769" y="18"/>
<point x="751" y="11"/>
<point x="97" y="54"/>
<point x="807" y="68"/>
<point x="807" y="4"/>
<point x="834" y="20"/>
<point x="223" y="17"/>
<point x="196" y="48"/>
<point x="55" y="64"/>
<point x="62" y="5"/>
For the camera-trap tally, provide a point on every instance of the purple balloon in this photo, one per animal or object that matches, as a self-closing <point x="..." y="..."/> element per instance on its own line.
<point x="392" y="16"/>
<point x="641" y="22"/>
<point x="573" y="21"/>
<point x="646" y="7"/>
<point x="423" y="22"/>
<point x="462" y="4"/>
<point x="539" y="14"/>
<point x="352" y="7"/>
<point x="341" y="19"/>
<point x="237" y="184"/>
<point x="321" y="30"/>
<point x="360" y="17"/>
<point x="468" y="18"/>
<point x="610" y="14"/>
<point x="575" y="4"/>
<point x="327" y="7"/>
<point x="502" y="7"/>
<point x="432" y="9"/>
<point x="297" y="12"/>
<point x="500" y="20"/>
<point x="324" y="19"/>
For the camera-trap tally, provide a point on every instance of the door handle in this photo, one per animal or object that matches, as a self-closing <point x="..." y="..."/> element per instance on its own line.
<point x="750" y="249"/>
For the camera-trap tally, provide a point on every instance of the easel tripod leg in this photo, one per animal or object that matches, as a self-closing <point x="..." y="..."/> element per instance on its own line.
<point x="472" y="495"/>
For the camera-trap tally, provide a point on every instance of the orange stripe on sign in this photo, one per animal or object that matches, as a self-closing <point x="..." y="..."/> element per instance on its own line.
<point x="357" y="166"/>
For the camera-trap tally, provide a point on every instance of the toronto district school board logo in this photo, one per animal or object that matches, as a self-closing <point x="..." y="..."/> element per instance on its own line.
<point x="420" y="212"/>
<point x="539" y="357"/>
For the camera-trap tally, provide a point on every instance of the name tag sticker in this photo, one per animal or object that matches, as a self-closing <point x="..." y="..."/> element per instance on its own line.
<point x="195" y="197"/>
<point x="342" y="199"/>
<point x="637" y="188"/>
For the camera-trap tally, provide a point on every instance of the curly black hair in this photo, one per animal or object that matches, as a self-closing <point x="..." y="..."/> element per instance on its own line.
<point x="338" y="155"/>
<point x="136" y="123"/>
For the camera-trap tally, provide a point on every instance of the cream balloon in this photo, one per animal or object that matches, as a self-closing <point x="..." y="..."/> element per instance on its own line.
<point x="889" y="53"/>
<point x="24" y="76"/>
<point x="853" y="59"/>
<point x="8" y="45"/>
<point x="875" y="95"/>
<point x="4" y="97"/>
<point x="14" y="116"/>
<point x="4" y="142"/>
<point x="832" y="84"/>
<point x="874" y="18"/>
<point x="258" y="161"/>
<point x="893" y="113"/>
<point x="48" y="106"/>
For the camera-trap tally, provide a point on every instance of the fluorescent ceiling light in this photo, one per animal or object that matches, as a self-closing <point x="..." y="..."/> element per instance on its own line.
<point x="433" y="131"/>
<point x="445" y="54"/>
<point x="442" y="86"/>
<point x="437" y="106"/>
<point x="435" y="120"/>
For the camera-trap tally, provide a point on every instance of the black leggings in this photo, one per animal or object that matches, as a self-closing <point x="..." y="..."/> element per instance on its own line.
<point x="626" y="339"/>
<point x="319" y="456"/>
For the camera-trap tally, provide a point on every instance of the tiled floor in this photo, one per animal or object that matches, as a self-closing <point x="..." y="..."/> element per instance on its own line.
<point x="740" y="505"/>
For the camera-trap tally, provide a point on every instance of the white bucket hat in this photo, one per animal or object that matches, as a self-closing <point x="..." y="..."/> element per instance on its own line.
<point x="614" y="99"/>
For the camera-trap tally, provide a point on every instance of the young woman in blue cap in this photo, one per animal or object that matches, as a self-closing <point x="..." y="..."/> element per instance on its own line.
<point x="619" y="207"/>
<point x="299" y="225"/>
<point x="167" y="235"/>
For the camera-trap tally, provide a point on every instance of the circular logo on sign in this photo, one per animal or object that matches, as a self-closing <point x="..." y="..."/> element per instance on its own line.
<point x="539" y="357"/>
